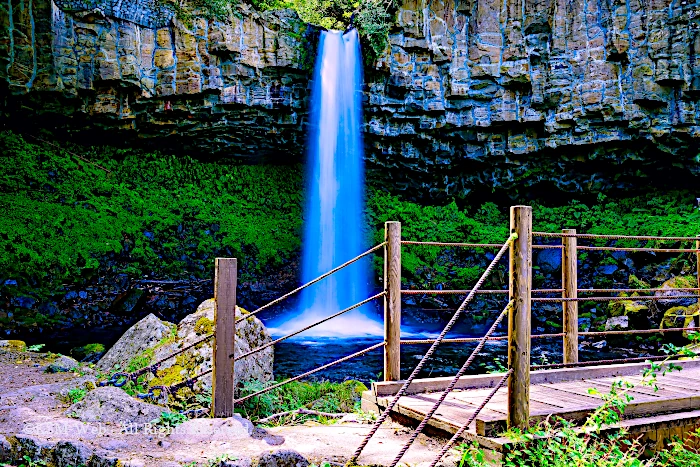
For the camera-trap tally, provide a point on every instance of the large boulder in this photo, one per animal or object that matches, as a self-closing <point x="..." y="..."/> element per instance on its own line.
<point x="140" y="337"/>
<point x="670" y="291"/>
<point x="151" y="340"/>
<point x="681" y="317"/>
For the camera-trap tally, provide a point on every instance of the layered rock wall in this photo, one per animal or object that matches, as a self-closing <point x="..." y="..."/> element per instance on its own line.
<point x="236" y="85"/>
<point x="583" y="94"/>
<point x="499" y="81"/>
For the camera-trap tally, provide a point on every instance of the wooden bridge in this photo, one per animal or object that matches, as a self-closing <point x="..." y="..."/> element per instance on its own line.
<point x="482" y="406"/>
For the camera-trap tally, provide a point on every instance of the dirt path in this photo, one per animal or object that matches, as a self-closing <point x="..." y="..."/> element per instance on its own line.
<point x="33" y="421"/>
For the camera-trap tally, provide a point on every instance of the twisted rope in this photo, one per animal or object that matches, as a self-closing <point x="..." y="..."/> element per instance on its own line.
<point x="636" y="331"/>
<point x="467" y="245"/>
<point x="603" y="362"/>
<point x="323" y="276"/>
<point x="382" y="417"/>
<point x="466" y="340"/>
<point x="292" y="334"/>
<point x="684" y="289"/>
<point x="611" y="237"/>
<point x="463" y="292"/>
<point x="611" y="299"/>
<point x="452" y="384"/>
<point x="657" y="250"/>
<point x="308" y="373"/>
<point x="476" y="413"/>
<point x="120" y="379"/>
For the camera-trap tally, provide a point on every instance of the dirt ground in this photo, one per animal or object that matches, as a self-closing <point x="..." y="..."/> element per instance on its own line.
<point x="33" y="411"/>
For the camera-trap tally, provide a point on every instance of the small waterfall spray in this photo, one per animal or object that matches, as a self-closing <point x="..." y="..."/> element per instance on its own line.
<point x="333" y="231"/>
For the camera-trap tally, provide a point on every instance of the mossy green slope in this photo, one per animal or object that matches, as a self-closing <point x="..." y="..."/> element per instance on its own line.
<point x="66" y="221"/>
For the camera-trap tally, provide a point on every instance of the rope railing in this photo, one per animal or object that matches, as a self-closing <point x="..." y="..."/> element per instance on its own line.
<point x="319" y="278"/>
<point x="306" y="328"/>
<point x="458" y="434"/>
<point x="683" y="289"/>
<point x="309" y="373"/>
<point x="612" y="299"/>
<point x="612" y="237"/>
<point x="635" y="331"/>
<point x="466" y="340"/>
<point x="633" y="249"/>
<point x="119" y="379"/>
<point x="466" y="291"/>
<point x="382" y="417"/>
<point x="604" y="362"/>
<point x="455" y="244"/>
<point x="421" y="426"/>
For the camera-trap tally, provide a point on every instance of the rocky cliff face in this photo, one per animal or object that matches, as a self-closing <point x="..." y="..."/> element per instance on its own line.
<point x="478" y="92"/>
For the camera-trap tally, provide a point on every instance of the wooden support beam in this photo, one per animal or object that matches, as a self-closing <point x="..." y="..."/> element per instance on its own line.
<point x="392" y="301"/>
<point x="569" y="277"/>
<point x="519" y="319"/>
<point x="225" y="282"/>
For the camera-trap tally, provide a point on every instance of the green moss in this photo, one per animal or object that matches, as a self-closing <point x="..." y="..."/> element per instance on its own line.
<point x="153" y="214"/>
<point x="204" y="326"/>
<point x="681" y="282"/>
<point x="140" y="360"/>
<point x="14" y="345"/>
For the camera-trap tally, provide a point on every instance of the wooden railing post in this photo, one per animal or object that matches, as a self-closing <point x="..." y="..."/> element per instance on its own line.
<point x="569" y="278"/>
<point x="519" y="319"/>
<point x="225" y="282"/>
<point x="697" y="268"/>
<point x="392" y="301"/>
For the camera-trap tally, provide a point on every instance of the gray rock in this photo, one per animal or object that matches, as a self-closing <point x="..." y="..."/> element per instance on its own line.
<point x="600" y="344"/>
<point x="283" y="458"/>
<point x="617" y="323"/>
<point x="114" y="444"/>
<point x="607" y="270"/>
<point x="211" y="429"/>
<point x="112" y="405"/>
<point x="62" y="364"/>
<point x="71" y="454"/>
<point x="36" y="449"/>
<point x="549" y="260"/>
<point x="67" y="429"/>
<point x="5" y="449"/>
<point x="139" y="337"/>
<point x="103" y="459"/>
<point x="149" y="333"/>
<point x="19" y="346"/>
<point x="241" y="462"/>
<point x="584" y="324"/>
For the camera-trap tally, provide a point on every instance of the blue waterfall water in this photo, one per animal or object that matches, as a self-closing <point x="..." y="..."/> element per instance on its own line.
<point x="333" y="223"/>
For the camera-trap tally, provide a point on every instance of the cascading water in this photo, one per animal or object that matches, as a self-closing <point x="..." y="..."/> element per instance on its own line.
<point x="334" y="213"/>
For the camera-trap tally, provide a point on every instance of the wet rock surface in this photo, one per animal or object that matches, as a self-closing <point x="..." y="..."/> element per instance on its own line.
<point x="583" y="96"/>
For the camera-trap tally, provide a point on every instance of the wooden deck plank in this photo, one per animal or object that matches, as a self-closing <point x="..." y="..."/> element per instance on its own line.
<point x="679" y="392"/>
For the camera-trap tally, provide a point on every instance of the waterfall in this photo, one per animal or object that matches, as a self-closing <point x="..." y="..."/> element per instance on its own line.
<point x="333" y="223"/>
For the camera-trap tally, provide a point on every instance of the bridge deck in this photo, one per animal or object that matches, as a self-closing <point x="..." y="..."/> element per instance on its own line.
<point x="563" y="393"/>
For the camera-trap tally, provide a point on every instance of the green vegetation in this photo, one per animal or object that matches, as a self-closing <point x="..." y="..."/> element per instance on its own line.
<point x="169" y="419"/>
<point x="655" y="213"/>
<point x="76" y="395"/>
<point x="560" y="443"/>
<point x="150" y="215"/>
<point x="372" y="18"/>
<point x="322" y="396"/>
<point x="67" y="221"/>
